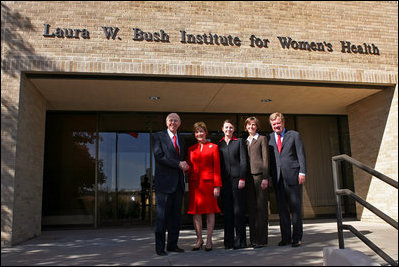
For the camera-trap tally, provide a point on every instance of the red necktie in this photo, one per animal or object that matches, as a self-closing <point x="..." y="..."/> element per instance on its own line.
<point x="279" y="145"/>
<point x="175" y="144"/>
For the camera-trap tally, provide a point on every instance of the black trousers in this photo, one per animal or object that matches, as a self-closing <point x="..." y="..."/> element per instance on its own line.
<point x="289" y="199"/>
<point x="257" y="206"/>
<point x="234" y="214"/>
<point x="168" y="217"/>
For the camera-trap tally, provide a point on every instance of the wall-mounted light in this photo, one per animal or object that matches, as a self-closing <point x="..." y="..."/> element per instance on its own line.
<point x="265" y="100"/>
<point x="155" y="98"/>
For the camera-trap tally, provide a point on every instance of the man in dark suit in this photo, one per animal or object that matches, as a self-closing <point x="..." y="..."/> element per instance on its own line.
<point x="170" y="165"/>
<point x="288" y="169"/>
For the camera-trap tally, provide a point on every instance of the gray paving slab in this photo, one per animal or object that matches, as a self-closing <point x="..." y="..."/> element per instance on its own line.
<point x="135" y="246"/>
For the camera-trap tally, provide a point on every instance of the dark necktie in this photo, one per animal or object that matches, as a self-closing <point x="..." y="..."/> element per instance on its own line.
<point x="175" y="144"/>
<point x="279" y="145"/>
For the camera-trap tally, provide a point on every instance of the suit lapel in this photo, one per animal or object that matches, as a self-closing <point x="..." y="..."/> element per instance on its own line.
<point x="169" y="142"/>
<point x="180" y="141"/>
<point x="285" y="139"/>
<point x="254" y="141"/>
<point x="272" y="136"/>
<point x="181" y="147"/>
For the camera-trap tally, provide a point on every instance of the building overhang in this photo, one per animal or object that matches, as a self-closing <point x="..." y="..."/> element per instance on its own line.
<point x="184" y="94"/>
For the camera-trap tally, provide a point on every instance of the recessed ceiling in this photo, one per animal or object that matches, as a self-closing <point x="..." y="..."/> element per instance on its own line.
<point x="186" y="96"/>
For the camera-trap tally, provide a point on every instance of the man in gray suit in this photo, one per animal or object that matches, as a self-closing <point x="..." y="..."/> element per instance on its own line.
<point x="170" y="165"/>
<point x="288" y="169"/>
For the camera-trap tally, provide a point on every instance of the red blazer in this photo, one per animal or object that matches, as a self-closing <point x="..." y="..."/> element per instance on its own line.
<point x="205" y="164"/>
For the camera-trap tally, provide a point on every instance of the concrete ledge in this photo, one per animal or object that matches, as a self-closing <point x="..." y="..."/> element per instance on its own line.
<point x="333" y="256"/>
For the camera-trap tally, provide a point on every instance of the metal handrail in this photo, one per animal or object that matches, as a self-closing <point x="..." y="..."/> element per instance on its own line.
<point x="340" y="192"/>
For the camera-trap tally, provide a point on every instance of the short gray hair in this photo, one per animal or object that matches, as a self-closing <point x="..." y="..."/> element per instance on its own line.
<point x="171" y="115"/>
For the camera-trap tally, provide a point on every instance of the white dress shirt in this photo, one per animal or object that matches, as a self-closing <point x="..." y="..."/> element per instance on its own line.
<point x="171" y="138"/>
<point x="249" y="139"/>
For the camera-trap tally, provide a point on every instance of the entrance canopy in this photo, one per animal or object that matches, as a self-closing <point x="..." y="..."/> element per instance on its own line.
<point x="126" y="93"/>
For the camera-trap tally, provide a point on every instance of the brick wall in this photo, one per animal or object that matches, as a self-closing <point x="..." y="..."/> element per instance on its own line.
<point x="331" y="22"/>
<point x="373" y="126"/>
<point x="22" y="147"/>
<point x="24" y="48"/>
<point x="9" y="121"/>
<point x="28" y="182"/>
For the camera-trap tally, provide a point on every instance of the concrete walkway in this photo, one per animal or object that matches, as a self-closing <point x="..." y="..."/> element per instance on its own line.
<point x="135" y="246"/>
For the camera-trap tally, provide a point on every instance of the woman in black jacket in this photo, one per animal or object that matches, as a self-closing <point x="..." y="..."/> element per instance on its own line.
<point x="233" y="165"/>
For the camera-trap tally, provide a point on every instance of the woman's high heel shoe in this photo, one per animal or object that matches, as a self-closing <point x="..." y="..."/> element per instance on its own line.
<point x="208" y="249"/>
<point x="198" y="248"/>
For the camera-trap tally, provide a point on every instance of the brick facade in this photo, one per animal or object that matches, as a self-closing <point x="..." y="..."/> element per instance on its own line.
<point x="25" y="49"/>
<point x="373" y="126"/>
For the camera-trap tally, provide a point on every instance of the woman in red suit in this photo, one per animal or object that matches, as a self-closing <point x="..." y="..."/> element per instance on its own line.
<point x="204" y="184"/>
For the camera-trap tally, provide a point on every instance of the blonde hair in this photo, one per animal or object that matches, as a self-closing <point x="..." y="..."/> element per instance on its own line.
<point x="200" y="125"/>
<point x="249" y="120"/>
<point x="276" y="115"/>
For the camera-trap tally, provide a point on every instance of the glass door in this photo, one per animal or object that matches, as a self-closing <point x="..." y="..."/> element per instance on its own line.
<point x="109" y="182"/>
<point x="69" y="170"/>
<point x="124" y="192"/>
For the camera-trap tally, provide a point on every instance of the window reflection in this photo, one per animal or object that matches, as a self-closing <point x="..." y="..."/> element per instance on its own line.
<point x="124" y="195"/>
<point x="69" y="170"/>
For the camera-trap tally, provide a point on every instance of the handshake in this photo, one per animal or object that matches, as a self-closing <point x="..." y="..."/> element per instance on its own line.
<point x="184" y="166"/>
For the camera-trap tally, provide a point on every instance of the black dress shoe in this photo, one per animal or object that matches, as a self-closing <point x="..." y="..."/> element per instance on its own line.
<point x="283" y="243"/>
<point x="208" y="249"/>
<point x="161" y="253"/>
<point x="255" y="246"/>
<point x="296" y="244"/>
<point x="177" y="249"/>
<point x="240" y="246"/>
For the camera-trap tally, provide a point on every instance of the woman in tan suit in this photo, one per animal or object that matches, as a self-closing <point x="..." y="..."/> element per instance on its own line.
<point x="258" y="181"/>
